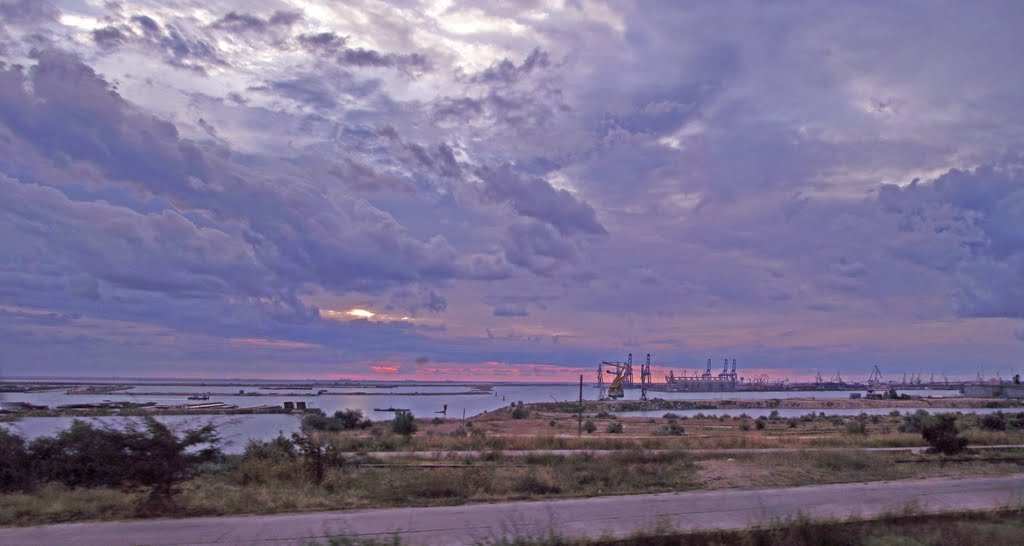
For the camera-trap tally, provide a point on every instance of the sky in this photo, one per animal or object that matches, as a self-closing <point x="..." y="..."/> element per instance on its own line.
<point x="514" y="190"/>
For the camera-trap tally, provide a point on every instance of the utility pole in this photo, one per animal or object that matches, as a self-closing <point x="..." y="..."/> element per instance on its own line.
<point x="579" y="419"/>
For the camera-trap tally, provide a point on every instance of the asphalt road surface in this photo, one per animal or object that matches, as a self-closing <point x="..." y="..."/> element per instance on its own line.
<point x="593" y="517"/>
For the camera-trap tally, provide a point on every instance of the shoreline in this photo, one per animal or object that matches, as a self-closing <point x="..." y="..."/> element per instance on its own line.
<point x="810" y="403"/>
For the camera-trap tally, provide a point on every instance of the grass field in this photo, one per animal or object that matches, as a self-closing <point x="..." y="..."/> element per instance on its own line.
<point x="268" y="481"/>
<point x="250" y="485"/>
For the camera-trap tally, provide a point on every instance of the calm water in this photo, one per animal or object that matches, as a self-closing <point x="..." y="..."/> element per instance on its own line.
<point x="239" y="428"/>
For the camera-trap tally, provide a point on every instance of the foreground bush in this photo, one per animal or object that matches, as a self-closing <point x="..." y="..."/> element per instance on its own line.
<point x="142" y="455"/>
<point x="15" y="474"/>
<point x="941" y="434"/>
<point x="404" y="424"/>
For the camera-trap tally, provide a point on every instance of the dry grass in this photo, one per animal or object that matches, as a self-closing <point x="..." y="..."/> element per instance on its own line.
<point x="55" y="504"/>
<point x="276" y="487"/>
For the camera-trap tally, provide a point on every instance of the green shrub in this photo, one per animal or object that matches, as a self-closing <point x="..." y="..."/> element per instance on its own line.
<point x="551" y="423"/>
<point x="614" y="428"/>
<point x="404" y="424"/>
<point x="520" y="411"/>
<point x="759" y="424"/>
<point x="351" y="419"/>
<point x="589" y="426"/>
<point x="941" y="434"/>
<point x="143" y="454"/>
<point x="857" y="426"/>
<point x="914" y="422"/>
<point x="278" y="449"/>
<point x="993" y="421"/>
<point x="671" y="415"/>
<point x="15" y="473"/>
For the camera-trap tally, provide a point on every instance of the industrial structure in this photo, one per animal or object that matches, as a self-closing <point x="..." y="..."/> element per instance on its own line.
<point x="621" y="376"/>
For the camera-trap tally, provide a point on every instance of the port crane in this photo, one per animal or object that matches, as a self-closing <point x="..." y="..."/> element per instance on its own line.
<point x="875" y="380"/>
<point x="617" y="369"/>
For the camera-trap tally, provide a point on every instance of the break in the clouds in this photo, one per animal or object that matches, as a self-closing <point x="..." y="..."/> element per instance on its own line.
<point x="466" y="189"/>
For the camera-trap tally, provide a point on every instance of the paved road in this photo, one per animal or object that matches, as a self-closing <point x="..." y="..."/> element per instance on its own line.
<point x="619" y="515"/>
<point x="601" y="452"/>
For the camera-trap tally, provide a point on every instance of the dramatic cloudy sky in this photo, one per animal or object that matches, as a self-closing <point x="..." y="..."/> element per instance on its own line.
<point x="486" y="190"/>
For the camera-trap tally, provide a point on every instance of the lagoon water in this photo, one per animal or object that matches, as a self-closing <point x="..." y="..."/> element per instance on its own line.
<point x="239" y="428"/>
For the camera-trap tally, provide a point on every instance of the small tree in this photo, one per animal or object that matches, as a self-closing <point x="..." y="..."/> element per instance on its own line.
<point x="404" y="424"/>
<point x="160" y="459"/>
<point x="589" y="426"/>
<point x="312" y="450"/>
<point x="941" y="434"/>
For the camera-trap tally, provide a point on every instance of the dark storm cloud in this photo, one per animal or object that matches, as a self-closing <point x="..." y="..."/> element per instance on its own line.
<point x="507" y="72"/>
<point x="726" y="162"/>
<point x="969" y="224"/>
<point x="147" y="23"/>
<point x="539" y="248"/>
<point x="242" y="233"/>
<point x="324" y="42"/>
<point x="536" y="198"/>
<point x="109" y="37"/>
<point x="244" y="22"/>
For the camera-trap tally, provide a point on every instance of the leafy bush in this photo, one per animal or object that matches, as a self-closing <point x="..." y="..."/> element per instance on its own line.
<point x="774" y="415"/>
<point x="520" y="411"/>
<point x="351" y="419"/>
<point x="671" y="415"/>
<point x="404" y="424"/>
<point x="143" y="454"/>
<point x="857" y="426"/>
<point x="745" y="425"/>
<point x="993" y="421"/>
<point x="278" y="449"/>
<point x="589" y="426"/>
<point x="914" y="422"/>
<point x="551" y="423"/>
<point x="15" y="473"/>
<point x="941" y="434"/>
<point x="614" y="428"/>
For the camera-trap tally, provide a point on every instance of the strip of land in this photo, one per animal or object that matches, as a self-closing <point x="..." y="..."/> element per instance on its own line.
<point x="594" y="517"/>
<point x="476" y="454"/>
